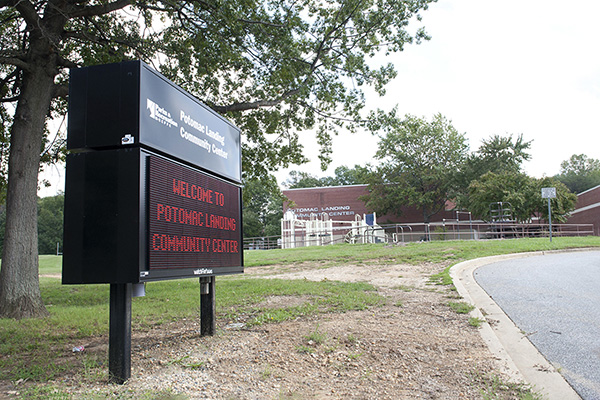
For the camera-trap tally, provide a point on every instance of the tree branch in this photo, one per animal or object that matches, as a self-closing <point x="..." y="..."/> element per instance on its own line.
<point x="66" y="63"/>
<point x="27" y="11"/>
<point x="16" y="61"/>
<point x="9" y="99"/>
<point x="60" y="90"/>
<point x="255" y="104"/>
<point x="100" y="9"/>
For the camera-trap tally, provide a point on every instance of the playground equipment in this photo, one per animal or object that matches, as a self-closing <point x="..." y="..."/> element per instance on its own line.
<point x="320" y="230"/>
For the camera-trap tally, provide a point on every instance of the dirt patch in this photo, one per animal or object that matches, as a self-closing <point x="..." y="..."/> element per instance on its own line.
<point x="384" y="276"/>
<point x="414" y="346"/>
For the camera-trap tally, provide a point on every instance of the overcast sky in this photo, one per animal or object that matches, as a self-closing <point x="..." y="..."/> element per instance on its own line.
<point x="494" y="67"/>
<point x="499" y="67"/>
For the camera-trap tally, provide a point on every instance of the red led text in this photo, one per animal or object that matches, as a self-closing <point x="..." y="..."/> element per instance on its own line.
<point x="192" y="244"/>
<point x="191" y="191"/>
<point x="191" y="217"/>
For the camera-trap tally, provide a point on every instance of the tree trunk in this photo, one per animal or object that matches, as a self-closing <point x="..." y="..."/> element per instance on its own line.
<point x="19" y="281"/>
<point x="426" y="215"/>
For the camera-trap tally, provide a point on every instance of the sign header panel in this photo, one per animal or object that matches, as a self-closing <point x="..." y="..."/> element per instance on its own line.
<point x="176" y="123"/>
<point x="129" y="104"/>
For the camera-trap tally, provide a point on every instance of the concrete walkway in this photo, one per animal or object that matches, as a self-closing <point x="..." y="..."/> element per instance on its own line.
<point x="518" y="357"/>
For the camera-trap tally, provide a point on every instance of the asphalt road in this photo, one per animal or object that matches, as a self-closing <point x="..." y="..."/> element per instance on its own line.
<point x="555" y="300"/>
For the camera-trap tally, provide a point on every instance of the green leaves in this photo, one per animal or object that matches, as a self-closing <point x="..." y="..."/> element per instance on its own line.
<point x="523" y="193"/>
<point x="580" y="173"/>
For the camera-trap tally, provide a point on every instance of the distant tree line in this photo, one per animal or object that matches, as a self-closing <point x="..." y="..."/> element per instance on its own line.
<point x="50" y="212"/>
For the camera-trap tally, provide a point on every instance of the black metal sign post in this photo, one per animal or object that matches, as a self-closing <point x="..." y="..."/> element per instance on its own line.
<point x="119" y="339"/>
<point x="208" y="319"/>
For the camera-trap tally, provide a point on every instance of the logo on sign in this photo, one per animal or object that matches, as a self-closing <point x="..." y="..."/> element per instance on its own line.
<point x="159" y="114"/>
<point x="203" y="271"/>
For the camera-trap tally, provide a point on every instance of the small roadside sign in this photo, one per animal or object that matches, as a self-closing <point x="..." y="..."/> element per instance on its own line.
<point x="549" y="193"/>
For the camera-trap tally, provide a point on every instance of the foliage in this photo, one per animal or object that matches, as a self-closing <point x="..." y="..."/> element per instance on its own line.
<point x="500" y="154"/>
<point x="516" y="189"/>
<point x="263" y="208"/>
<point x="300" y="179"/>
<point x="562" y="205"/>
<point x="579" y="173"/>
<point x="274" y="68"/>
<point x="343" y="175"/>
<point x="420" y="161"/>
<point x="523" y="193"/>
<point x="50" y="224"/>
<point x="497" y="154"/>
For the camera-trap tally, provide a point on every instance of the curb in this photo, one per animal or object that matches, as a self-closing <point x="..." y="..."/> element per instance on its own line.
<point x="518" y="357"/>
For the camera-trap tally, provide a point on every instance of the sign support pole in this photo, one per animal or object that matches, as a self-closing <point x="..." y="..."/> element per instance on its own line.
<point x="208" y="320"/>
<point x="550" y="218"/>
<point x="119" y="339"/>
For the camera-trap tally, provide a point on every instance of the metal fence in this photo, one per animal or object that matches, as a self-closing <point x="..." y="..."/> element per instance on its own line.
<point x="405" y="233"/>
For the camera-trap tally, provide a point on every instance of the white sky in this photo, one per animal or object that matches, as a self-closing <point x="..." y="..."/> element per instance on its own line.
<point x="499" y="67"/>
<point x="492" y="67"/>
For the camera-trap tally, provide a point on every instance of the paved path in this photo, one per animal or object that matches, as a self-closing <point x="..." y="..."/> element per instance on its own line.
<point x="555" y="300"/>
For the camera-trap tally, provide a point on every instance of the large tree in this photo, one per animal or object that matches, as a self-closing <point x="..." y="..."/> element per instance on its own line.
<point x="274" y="67"/>
<point x="497" y="154"/>
<point x="420" y="160"/>
<point x="579" y="173"/>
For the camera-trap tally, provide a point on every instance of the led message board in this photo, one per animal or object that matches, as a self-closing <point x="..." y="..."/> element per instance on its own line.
<point x="130" y="104"/>
<point x="193" y="221"/>
<point x="133" y="216"/>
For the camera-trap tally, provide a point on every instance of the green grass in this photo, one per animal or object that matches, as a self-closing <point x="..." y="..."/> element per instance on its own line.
<point x="50" y="265"/>
<point x="413" y="253"/>
<point x="317" y="337"/>
<point x="461" y="307"/>
<point x="40" y="349"/>
<point x="476" y="322"/>
<point x="492" y="387"/>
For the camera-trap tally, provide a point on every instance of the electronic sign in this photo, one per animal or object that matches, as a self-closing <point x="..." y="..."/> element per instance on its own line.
<point x="152" y="192"/>
<point x="193" y="220"/>
<point x="134" y="216"/>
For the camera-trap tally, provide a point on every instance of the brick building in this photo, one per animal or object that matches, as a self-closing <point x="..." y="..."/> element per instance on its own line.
<point x="342" y="203"/>
<point x="587" y="209"/>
